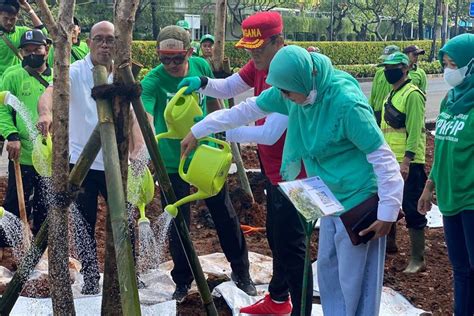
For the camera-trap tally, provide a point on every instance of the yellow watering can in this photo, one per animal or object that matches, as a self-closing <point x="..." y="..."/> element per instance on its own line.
<point x="179" y="115"/>
<point x="2" y="212"/>
<point x="42" y="155"/>
<point x="3" y="96"/>
<point x="140" y="190"/>
<point x="207" y="171"/>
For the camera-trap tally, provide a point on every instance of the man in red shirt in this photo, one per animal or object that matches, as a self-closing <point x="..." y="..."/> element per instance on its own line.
<point x="262" y="38"/>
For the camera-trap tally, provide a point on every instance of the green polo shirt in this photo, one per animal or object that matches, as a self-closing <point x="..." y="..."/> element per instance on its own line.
<point x="380" y="89"/>
<point x="28" y="90"/>
<point x="418" y="77"/>
<point x="78" y="52"/>
<point x="452" y="170"/>
<point x="158" y="89"/>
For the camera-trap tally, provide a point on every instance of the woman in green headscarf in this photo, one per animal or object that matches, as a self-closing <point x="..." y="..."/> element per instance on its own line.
<point x="332" y="131"/>
<point x="452" y="174"/>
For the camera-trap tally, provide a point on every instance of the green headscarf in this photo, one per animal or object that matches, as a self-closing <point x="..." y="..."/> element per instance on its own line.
<point x="460" y="99"/>
<point x="296" y="70"/>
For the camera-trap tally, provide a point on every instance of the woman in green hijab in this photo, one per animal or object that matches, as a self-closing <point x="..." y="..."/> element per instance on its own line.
<point x="333" y="133"/>
<point x="452" y="174"/>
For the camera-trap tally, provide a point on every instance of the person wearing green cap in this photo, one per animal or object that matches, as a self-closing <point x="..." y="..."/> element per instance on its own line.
<point x="403" y="126"/>
<point x="24" y="83"/>
<point x="207" y="46"/>
<point x="381" y="88"/>
<point x="329" y="124"/>
<point x="452" y="173"/>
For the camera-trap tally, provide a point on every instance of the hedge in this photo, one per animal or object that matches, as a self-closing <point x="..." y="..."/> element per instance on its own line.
<point x="357" y="58"/>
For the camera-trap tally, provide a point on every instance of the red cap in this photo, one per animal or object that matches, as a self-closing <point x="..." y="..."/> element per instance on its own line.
<point x="257" y="28"/>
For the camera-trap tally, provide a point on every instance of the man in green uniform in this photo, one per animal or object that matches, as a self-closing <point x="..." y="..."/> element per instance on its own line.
<point x="10" y="34"/>
<point x="79" y="49"/>
<point x="159" y="86"/>
<point x="194" y="44"/>
<point x="17" y="127"/>
<point x="403" y="127"/>
<point x="207" y="46"/>
<point x="417" y="75"/>
<point x="380" y="86"/>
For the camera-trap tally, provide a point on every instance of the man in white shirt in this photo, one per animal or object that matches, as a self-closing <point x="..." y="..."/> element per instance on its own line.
<point x="82" y="121"/>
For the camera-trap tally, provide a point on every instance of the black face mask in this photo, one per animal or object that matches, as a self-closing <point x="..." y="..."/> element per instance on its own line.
<point x="34" y="61"/>
<point x="393" y="75"/>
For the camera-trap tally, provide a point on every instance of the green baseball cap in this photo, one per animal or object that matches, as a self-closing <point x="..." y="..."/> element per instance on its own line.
<point x="388" y="50"/>
<point x="207" y="37"/>
<point x="395" y="59"/>
<point x="184" y="24"/>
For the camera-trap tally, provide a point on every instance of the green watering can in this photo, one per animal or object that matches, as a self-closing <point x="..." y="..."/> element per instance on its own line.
<point x="207" y="171"/>
<point x="3" y="96"/>
<point x="179" y="115"/>
<point x="42" y="155"/>
<point x="2" y="212"/>
<point x="140" y="190"/>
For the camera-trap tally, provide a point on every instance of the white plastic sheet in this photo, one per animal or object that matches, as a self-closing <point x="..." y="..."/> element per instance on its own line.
<point x="434" y="217"/>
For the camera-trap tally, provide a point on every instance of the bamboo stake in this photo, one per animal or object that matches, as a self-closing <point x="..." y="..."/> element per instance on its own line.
<point x="27" y="235"/>
<point x="116" y="202"/>
<point x="170" y="196"/>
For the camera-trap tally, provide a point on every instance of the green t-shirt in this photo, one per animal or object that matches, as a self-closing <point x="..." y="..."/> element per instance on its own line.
<point x="9" y="69"/>
<point x="380" y="89"/>
<point x="158" y="89"/>
<point x="28" y="90"/>
<point x="452" y="171"/>
<point x="7" y="57"/>
<point x="346" y="133"/>
<point x="78" y="51"/>
<point x="418" y="77"/>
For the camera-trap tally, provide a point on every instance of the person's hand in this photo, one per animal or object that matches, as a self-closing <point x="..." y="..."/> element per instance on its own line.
<point x="188" y="144"/>
<point x="405" y="169"/>
<point x="44" y="124"/>
<point x="380" y="228"/>
<point x="192" y="84"/>
<point x="424" y="203"/>
<point x="24" y="5"/>
<point x="13" y="149"/>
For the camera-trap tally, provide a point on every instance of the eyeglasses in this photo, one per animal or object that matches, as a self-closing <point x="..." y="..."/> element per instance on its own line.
<point x="177" y="60"/>
<point x="99" y="40"/>
<point x="285" y="92"/>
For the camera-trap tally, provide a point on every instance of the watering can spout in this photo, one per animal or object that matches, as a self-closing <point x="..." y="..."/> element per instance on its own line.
<point x="2" y="212"/>
<point x="4" y="96"/>
<point x="172" y="209"/>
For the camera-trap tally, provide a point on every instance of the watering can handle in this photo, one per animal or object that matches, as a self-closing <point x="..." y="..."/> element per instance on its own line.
<point x="223" y="143"/>
<point x="176" y="96"/>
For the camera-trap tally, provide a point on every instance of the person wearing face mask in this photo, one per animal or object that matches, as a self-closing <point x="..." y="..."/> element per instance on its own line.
<point x="159" y="86"/>
<point x="452" y="173"/>
<point x="403" y="126"/>
<point x="332" y="133"/>
<point x="262" y="38"/>
<point x="79" y="49"/>
<point x="24" y="83"/>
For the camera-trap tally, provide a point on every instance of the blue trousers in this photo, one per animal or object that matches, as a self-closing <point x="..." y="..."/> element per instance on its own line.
<point x="459" y="234"/>
<point x="350" y="277"/>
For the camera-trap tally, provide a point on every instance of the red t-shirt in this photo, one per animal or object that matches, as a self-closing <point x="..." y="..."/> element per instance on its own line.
<point x="270" y="156"/>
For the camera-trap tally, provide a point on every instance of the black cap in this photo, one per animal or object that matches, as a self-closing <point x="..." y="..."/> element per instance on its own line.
<point x="34" y="36"/>
<point x="11" y="6"/>
<point x="413" y="49"/>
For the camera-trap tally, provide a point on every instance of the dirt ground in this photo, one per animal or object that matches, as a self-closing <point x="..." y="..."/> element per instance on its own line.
<point x="430" y="290"/>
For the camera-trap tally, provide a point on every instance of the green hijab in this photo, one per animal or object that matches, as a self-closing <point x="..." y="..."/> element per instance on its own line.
<point x="296" y="70"/>
<point x="460" y="99"/>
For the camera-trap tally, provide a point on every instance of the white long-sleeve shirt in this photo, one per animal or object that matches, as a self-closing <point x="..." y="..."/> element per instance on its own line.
<point x="386" y="169"/>
<point x="267" y="134"/>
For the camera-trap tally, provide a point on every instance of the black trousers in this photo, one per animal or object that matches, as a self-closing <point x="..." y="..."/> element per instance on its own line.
<point x="228" y="230"/>
<point x="34" y="194"/>
<point x="411" y="194"/>
<point x="86" y="203"/>
<point x="286" y="238"/>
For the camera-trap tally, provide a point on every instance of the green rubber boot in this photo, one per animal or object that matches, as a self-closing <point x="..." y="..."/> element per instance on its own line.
<point x="417" y="253"/>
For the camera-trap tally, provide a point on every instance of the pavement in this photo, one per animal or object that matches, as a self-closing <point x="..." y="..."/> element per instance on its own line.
<point x="437" y="89"/>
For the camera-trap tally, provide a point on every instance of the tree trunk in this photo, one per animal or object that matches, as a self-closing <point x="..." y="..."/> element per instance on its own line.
<point x="421" y="27"/>
<point x="58" y="256"/>
<point x="444" y="27"/>
<point x="433" y="30"/>
<point x="219" y="34"/>
<point x="456" y="19"/>
<point x="154" y="21"/>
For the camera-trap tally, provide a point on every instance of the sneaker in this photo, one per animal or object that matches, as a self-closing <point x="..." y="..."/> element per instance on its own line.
<point x="181" y="292"/>
<point x="245" y="283"/>
<point x="90" y="287"/>
<point x="266" y="306"/>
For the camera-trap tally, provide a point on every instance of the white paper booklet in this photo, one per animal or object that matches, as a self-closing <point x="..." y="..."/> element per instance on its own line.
<point x="311" y="197"/>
